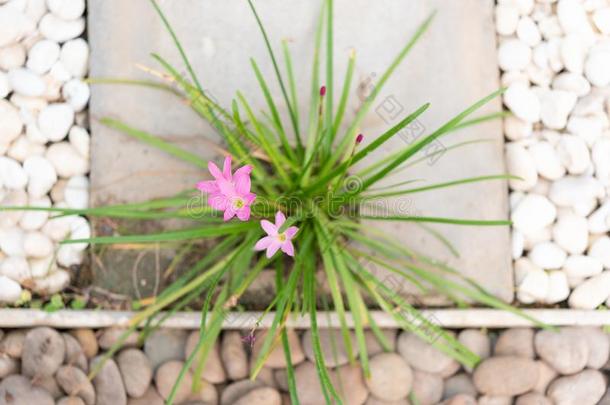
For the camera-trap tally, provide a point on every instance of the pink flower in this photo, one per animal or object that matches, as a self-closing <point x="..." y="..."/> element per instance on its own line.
<point x="275" y="240"/>
<point x="229" y="192"/>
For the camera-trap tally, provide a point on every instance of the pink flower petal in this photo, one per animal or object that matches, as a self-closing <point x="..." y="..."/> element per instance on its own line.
<point x="249" y="198"/>
<point x="208" y="186"/>
<point x="226" y="168"/>
<point x="242" y="184"/>
<point x="291" y="231"/>
<point x="229" y="213"/>
<point x="226" y="187"/>
<point x="280" y="218"/>
<point x="273" y="247"/>
<point x="263" y="243"/>
<point x="214" y="170"/>
<point x="244" y="170"/>
<point x="218" y="202"/>
<point x="288" y="248"/>
<point x="269" y="227"/>
<point x="244" y="213"/>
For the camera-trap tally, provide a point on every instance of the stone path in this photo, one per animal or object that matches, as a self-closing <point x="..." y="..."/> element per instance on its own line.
<point x="464" y="71"/>
<point x="521" y="366"/>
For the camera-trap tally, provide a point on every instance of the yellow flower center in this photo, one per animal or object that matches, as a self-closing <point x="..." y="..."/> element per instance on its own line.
<point x="239" y="203"/>
<point x="282" y="237"/>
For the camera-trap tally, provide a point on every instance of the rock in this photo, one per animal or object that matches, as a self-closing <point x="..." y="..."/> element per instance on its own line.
<point x="80" y="139"/>
<point x="522" y="102"/>
<point x="505" y="376"/>
<point x="534" y="287"/>
<point x="164" y="345"/>
<point x="108" y="383"/>
<point x="50" y="385"/>
<point x="75" y="57"/>
<point x="460" y="399"/>
<point x="87" y="341"/>
<point x="9" y="219"/>
<point x="558" y="289"/>
<point x="55" y="121"/>
<point x="586" y="387"/>
<point x="41" y="175"/>
<point x="476" y="341"/>
<point x="26" y="82"/>
<point x="533" y="213"/>
<point x="459" y="384"/>
<point x="507" y="18"/>
<point x="572" y="16"/>
<point x="110" y="336"/>
<point x="597" y="67"/>
<point x="491" y="400"/>
<point x="334" y="350"/>
<point x="136" y="370"/>
<point x="573" y="52"/>
<point x="18" y="390"/>
<point x="55" y="282"/>
<point x="37" y="245"/>
<point x="514" y="54"/>
<point x="582" y="266"/>
<point x="12" y="57"/>
<point x="527" y="32"/>
<point x="76" y="93"/>
<point x="546" y="160"/>
<point x="10" y="290"/>
<point x="11" y="241"/>
<point x="589" y="128"/>
<point x="34" y="220"/>
<point x="599" y="153"/>
<point x="517" y="244"/>
<point x="599" y="221"/>
<point x="58" y="30"/>
<point x="592" y="292"/>
<point x="12" y="174"/>
<point x="546" y="374"/>
<point x="66" y="160"/>
<point x="75" y="383"/>
<point x="76" y="192"/>
<point x="421" y="355"/>
<point x="515" y="342"/>
<point x="555" y="106"/>
<point x="43" y="352"/>
<point x="598" y="344"/>
<point x="11" y="122"/>
<point x="573" y="83"/>
<point x="565" y="350"/>
<point x="260" y="396"/>
<point x="42" y="56"/>
<point x="213" y="371"/>
<point x="600" y="249"/>
<point x="427" y="387"/>
<point x="75" y="356"/>
<point x="8" y="366"/>
<point x="520" y="162"/>
<point x="12" y="343"/>
<point x="167" y="375"/>
<point x="601" y="19"/>
<point x="391" y="377"/>
<point x="571" y="233"/>
<point x="23" y="148"/>
<point x="150" y="397"/>
<point x="70" y="401"/>
<point x="515" y="128"/>
<point x="234" y="356"/>
<point x="373" y="346"/>
<point x="67" y="9"/>
<point x="5" y="87"/>
<point x="533" y="398"/>
<point x="548" y="255"/>
<point x="15" y="25"/>
<point x="239" y="389"/>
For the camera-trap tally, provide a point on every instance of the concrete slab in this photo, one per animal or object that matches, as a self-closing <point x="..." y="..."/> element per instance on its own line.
<point x="452" y="66"/>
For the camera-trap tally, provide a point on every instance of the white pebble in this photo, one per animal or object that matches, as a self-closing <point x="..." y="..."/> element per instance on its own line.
<point x="523" y="102"/>
<point x="571" y="232"/>
<point x="555" y="106"/>
<point x="11" y="241"/>
<point x="573" y="53"/>
<point x="33" y="133"/>
<point x="573" y="154"/>
<point x="517" y="244"/>
<point x="534" y="287"/>
<point x="550" y="28"/>
<point x="14" y="25"/>
<point x="58" y="30"/>
<point x="67" y="9"/>
<point x="571" y="191"/>
<point x="12" y="57"/>
<point x="53" y="283"/>
<point x="597" y="68"/>
<point x="80" y="139"/>
<point x="36" y="9"/>
<point x="522" y="267"/>
<point x="520" y="162"/>
<point x="12" y="174"/>
<point x="572" y="16"/>
<point x="55" y="121"/>
<point x="76" y="193"/>
<point x="16" y="268"/>
<point x="66" y="160"/>
<point x="80" y="229"/>
<point x="533" y="213"/>
<point x="37" y="245"/>
<point x="10" y="290"/>
<point x="22" y="148"/>
<point x="591" y="293"/>
<point x="26" y="82"/>
<point x="600" y="154"/>
<point x="60" y="73"/>
<point x="580" y="266"/>
<point x="548" y="255"/>
<point x="600" y="249"/>
<point x="547" y="161"/>
<point x="42" y="56"/>
<point x="11" y="122"/>
<point x="527" y="31"/>
<point x="42" y="176"/>
<point x="507" y="17"/>
<point x="601" y="19"/>
<point x="533" y="238"/>
<point x="5" y="86"/>
<point x="75" y="57"/>
<point x="34" y="220"/>
<point x="76" y="93"/>
<point x="514" y="54"/>
<point x="573" y="83"/>
<point x="42" y="267"/>
<point x="68" y="255"/>
<point x="599" y="221"/>
<point x="558" y="289"/>
<point x="13" y="198"/>
<point x="58" y="229"/>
